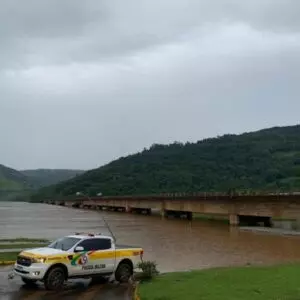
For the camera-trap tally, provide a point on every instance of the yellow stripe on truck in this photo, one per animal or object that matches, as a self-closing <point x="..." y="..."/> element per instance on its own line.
<point x="55" y="260"/>
<point x="131" y="252"/>
<point x="115" y="253"/>
<point x="58" y="258"/>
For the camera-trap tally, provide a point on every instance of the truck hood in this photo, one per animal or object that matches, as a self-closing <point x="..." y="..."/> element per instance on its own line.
<point x="45" y="251"/>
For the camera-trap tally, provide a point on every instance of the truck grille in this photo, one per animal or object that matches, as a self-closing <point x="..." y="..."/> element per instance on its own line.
<point x="24" y="261"/>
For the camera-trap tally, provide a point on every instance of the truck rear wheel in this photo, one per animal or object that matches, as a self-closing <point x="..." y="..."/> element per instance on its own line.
<point x="124" y="272"/>
<point x="54" y="279"/>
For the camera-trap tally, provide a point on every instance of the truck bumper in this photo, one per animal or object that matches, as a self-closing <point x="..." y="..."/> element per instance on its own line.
<point x="34" y="272"/>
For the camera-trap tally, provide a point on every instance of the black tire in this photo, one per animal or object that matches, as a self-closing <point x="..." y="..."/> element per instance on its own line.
<point x="29" y="282"/>
<point x="55" y="279"/>
<point x="124" y="272"/>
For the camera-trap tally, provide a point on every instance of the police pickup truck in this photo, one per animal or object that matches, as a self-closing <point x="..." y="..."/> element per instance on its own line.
<point x="77" y="256"/>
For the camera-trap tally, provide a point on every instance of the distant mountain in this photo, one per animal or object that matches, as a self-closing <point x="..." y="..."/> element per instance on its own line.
<point x="11" y="179"/>
<point x="18" y="185"/>
<point x="44" y="177"/>
<point x="13" y="183"/>
<point x="266" y="160"/>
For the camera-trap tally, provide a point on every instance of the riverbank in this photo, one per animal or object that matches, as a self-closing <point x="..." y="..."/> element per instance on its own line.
<point x="10" y="248"/>
<point x="23" y="240"/>
<point x="21" y="246"/>
<point x="247" y="283"/>
<point x="8" y="258"/>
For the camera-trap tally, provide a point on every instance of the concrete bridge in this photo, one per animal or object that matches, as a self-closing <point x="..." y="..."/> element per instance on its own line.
<point x="239" y="209"/>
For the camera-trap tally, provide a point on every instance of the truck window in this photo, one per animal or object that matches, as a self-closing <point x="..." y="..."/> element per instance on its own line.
<point x="95" y="244"/>
<point x="64" y="243"/>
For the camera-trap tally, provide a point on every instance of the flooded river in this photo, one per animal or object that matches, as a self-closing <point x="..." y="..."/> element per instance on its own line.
<point x="173" y="244"/>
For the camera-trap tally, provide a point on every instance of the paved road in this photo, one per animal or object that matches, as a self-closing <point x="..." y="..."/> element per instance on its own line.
<point x="77" y="289"/>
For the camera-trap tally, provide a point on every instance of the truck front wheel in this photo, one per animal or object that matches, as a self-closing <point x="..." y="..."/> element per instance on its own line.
<point x="124" y="272"/>
<point x="55" y="279"/>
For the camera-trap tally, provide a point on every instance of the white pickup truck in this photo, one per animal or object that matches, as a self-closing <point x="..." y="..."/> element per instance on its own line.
<point x="77" y="256"/>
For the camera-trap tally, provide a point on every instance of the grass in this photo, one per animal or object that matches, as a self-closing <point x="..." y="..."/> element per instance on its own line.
<point x="247" y="283"/>
<point x="22" y="245"/>
<point x="24" y="240"/>
<point x="8" y="256"/>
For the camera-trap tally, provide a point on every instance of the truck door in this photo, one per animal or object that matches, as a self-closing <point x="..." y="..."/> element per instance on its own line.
<point x="105" y="255"/>
<point x="98" y="256"/>
<point x="82" y="262"/>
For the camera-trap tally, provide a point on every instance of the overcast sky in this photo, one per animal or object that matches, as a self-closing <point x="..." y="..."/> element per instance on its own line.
<point x="84" y="82"/>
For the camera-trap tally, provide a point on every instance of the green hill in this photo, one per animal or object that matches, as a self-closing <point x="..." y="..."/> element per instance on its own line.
<point x="19" y="185"/>
<point x="266" y="160"/>
<point x="45" y="177"/>
<point x="12" y="183"/>
<point x="11" y="179"/>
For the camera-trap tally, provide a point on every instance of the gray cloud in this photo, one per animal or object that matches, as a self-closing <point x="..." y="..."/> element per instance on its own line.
<point x="83" y="82"/>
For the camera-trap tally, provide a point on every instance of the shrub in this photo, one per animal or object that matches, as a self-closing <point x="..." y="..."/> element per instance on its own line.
<point x="149" y="270"/>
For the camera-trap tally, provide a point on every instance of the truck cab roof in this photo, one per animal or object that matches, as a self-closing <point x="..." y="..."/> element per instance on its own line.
<point x="89" y="235"/>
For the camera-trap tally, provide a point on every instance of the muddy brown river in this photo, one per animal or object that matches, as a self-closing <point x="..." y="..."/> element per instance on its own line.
<point x="174" y="244"/>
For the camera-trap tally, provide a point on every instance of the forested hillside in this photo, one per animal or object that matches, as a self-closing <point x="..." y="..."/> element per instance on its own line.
<point x="19" y="185"/>
<point x="44" y="177"/>
<point x="12" y="183"/>
<point x="266" y="160"/>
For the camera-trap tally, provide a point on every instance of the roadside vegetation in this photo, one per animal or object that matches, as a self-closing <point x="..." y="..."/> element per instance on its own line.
<point x="8" y="256"/>
<point x="18" y="243"/>
<point x="22" y="246"/>
<point x="148" y="271"/>
<point x="23" y="240"/>
<point x="247" y="283"/>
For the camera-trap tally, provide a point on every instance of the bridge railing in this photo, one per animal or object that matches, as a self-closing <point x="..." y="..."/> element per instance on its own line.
<point x="193" y="195"/>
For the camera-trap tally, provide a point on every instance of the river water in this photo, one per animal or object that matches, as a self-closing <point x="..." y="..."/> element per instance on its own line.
<point x="174" y="244"/>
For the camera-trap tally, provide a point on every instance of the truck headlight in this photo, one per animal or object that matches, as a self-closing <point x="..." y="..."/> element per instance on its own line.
<point x="38" y="260"/>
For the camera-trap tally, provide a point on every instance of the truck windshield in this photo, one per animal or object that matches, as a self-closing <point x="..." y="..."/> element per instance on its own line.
<point x="64" y="243"/>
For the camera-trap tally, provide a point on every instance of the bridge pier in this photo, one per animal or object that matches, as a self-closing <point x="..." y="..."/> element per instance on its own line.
<point x="234" y="220"/>
<point x="128" y="209"/>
